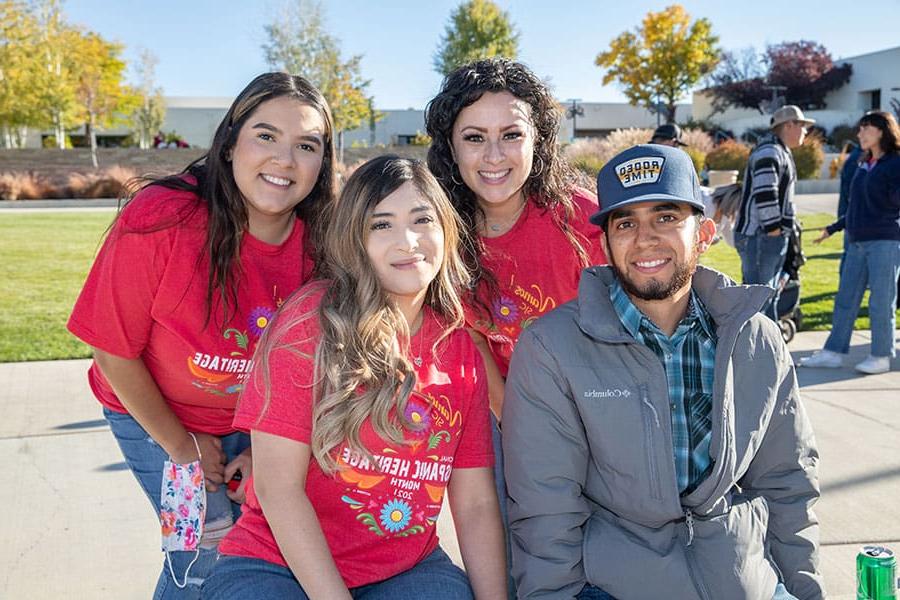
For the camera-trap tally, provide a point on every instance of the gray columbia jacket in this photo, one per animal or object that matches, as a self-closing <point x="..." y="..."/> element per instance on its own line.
<point x="587" y="441"/>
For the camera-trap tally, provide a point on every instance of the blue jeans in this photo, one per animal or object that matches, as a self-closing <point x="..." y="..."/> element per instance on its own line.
<point x="874" y="264"/>
<point x="502" y="499"/>
<point x="590" y="592"/>
<point x="435" y="577"/>
<point x="762" y="260"/>
<point x="145" y="458"/>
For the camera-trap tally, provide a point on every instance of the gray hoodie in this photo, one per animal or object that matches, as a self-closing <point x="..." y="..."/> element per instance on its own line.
<point x="587" y="441"/>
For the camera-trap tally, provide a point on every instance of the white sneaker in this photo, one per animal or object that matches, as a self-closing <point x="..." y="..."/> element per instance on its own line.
<point x="822" y="359"/>
<point x="874" y="365"/>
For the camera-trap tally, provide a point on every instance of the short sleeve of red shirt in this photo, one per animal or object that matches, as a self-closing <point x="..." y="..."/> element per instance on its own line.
<point x="285" y="408"/>
<point x="113" y="311"/>
<point x="476" y="445"/>
<point x="586" y="205"/>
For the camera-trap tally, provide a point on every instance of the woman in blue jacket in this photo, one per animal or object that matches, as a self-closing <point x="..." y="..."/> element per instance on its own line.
<point x="872" y="227"/>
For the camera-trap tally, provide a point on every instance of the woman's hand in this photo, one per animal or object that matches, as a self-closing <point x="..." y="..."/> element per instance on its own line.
<point x="242" y="463"/>
<point x="212" y="459"/>
<point x="822" y="237"/>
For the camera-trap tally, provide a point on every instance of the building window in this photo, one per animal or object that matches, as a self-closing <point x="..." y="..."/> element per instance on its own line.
<point x="871" y="100"/>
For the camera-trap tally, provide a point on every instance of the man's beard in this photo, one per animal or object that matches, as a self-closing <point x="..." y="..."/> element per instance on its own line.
<point x="659" y="290"/>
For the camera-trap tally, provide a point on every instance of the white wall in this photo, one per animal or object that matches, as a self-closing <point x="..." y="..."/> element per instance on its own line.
<point x="876" y="70"/>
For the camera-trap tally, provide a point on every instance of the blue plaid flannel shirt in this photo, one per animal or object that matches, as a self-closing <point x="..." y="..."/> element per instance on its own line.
<point x="688" y="358"/>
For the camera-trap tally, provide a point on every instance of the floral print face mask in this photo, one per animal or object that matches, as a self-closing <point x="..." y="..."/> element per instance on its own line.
<point x="182" y="509"/>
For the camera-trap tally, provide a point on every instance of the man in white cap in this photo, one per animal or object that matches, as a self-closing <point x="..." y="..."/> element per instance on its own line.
<point x="656" y="445"/>
<point x="765" y="218"/>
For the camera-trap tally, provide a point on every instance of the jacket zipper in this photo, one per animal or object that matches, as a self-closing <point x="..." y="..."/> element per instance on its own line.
<point x="689" y="555"/>
<point x="648" y="441"/>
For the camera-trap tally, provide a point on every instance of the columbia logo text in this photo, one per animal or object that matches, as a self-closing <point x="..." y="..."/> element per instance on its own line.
<point x="607" y="393"/>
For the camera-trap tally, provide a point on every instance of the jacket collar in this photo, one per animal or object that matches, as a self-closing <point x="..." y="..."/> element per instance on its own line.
<point x="726" y="302"/>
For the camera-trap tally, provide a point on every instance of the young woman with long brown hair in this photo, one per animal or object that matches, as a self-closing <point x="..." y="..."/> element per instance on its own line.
<point x="190" y="273"/>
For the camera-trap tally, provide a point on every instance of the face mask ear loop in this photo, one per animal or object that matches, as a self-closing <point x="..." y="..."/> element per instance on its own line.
<point x="183" y="584"/>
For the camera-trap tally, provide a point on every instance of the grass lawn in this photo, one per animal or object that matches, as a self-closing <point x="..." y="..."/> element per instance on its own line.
<point x="44" y="258"/>
<point x="818" y="277"/>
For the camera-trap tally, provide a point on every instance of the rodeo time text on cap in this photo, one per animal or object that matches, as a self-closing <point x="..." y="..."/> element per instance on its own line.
<point x="646" y="173"/>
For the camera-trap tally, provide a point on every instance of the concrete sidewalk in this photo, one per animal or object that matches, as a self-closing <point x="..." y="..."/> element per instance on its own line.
<point x="80" y="527"/>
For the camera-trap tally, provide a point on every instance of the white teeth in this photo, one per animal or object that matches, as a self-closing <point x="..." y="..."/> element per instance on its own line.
<point x="493" y="175"/>
<point x="276" y="180"/>
<point x="650" y="264"/>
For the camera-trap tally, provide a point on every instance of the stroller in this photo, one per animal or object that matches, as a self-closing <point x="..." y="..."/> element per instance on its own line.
<point x="726" y="200"/>
<point x="790" y="317"/>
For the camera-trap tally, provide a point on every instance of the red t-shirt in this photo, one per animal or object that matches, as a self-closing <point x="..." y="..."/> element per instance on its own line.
<point x="146" y="297"/>
<point x="378" y="518"/>
<point x="537" y="269"/>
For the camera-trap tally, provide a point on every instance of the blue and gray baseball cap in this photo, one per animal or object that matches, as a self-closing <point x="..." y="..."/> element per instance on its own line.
<point x="646" y="173"/>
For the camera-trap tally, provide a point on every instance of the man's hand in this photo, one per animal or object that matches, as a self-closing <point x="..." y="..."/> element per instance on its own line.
<point x="775" y="233"/>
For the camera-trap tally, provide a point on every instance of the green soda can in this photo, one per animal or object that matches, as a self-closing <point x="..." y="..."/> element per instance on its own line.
<point x="876" y="574"/>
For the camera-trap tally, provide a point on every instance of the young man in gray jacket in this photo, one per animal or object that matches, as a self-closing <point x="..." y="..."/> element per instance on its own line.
<point x="654" y="438"/>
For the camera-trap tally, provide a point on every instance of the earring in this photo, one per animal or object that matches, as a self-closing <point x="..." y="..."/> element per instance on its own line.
<point x="453" y="170"/>
<point x="540" y="171"/>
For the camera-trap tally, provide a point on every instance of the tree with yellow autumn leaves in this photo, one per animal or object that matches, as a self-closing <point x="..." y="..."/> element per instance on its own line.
<point x="661" y="60"/>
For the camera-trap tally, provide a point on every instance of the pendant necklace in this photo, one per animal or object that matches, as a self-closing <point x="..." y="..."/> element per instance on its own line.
<point x="505" y="224"/>
<point x="417" y="360"/>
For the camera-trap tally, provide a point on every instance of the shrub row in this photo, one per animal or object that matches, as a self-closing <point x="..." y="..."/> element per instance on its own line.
<point x="107" y="183"/>
<point x="588" y="155"/>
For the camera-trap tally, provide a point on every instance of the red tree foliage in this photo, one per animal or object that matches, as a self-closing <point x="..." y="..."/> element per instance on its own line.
<point x="804" y="68"/>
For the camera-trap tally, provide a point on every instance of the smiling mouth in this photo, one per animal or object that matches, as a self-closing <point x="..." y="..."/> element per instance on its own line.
<point x="279" y="181"/>
<point x="651" y="265"/>
<point x="494" y="175"/>
<point x="407" y="263"/>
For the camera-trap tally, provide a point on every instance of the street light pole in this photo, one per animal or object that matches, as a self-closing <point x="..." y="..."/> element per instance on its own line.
<point x="573" y="112"/>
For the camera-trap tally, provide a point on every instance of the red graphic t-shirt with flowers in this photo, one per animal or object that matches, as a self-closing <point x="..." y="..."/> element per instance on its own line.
<point x="537" y="269"/>
<point x="378" y="513"/>
<point x="146" y="297"/>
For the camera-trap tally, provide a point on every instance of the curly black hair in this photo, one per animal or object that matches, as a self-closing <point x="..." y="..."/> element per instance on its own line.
<point x="551" y="181"/>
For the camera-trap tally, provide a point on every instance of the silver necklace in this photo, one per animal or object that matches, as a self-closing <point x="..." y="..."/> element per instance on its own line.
<point x="499" y="226"/>
<point x="417" y="360"/>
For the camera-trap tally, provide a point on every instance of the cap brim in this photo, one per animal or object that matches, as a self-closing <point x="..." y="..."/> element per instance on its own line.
<point x="680" y="143"/>
<point x="599" y="217"/>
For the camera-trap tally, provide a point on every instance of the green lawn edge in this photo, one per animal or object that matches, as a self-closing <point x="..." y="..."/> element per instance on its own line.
<point x="45" y="257"/>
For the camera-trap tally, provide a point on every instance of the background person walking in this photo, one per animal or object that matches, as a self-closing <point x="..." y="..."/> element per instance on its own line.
<point x="766" y="215"/>
<point x="872" y="227"/>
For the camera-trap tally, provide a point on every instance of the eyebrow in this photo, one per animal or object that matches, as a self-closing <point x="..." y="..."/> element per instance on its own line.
<point x="267" y="127"/>
<point x="418" y="209"/>
<point x="485" y="129"/>
<point x="627" y="212"/>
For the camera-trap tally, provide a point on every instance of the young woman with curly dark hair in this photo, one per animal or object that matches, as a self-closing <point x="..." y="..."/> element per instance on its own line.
<point x="494" y="146"/>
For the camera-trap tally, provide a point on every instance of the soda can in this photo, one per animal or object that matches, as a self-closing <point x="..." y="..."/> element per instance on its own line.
<point x="876" y="574"/>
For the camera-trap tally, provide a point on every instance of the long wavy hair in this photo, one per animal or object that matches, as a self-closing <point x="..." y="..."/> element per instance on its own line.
<point x="211" y="177"/>
<point x="551" y="181"/>
<point x="362" y="369"/>
<point x="890" y="131"/>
